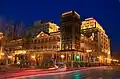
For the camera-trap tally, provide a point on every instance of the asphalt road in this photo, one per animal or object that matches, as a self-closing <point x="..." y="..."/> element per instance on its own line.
<point x="96" y="73"/>
<point x="85" y="73"/>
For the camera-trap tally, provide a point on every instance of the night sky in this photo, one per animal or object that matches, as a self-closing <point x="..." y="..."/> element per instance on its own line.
<point x="106" y="12"/>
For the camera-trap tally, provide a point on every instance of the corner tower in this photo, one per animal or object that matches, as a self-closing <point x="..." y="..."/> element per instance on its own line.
<point x="70" y="31"/>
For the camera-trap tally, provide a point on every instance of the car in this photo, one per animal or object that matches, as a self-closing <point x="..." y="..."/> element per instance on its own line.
<point x="54" y="67"/>
<point x="62" y="67"/>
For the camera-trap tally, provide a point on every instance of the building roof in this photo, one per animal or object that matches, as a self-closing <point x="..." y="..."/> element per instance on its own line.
<point x="38" y="34"/>
<point x="42" y="34"/>
<point x="70" y="12"/>
<point x="1" y="33"/>
<point x="91" y="23"/>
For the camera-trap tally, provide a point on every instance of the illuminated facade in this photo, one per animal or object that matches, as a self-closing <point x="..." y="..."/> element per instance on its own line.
<point x="1" y="45"/>
<point x="70" y="31"/>
<point x="10" y="48"/>
<point x="45" y="42"/>
<point x="101" y="43"/>
<point x="45" y="46"/>
<point x="88" y="47"/>
<point x="39" y="26"/>
<point x="39" y="47"/>
<point x="70" y="40"/>
<point x="75" y="43"/>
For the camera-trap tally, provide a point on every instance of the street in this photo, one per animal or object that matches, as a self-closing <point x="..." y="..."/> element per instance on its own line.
<point x="84" y="73"/>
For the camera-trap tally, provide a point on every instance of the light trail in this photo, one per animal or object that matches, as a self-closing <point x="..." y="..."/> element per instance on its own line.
<point x="54" y="73"/>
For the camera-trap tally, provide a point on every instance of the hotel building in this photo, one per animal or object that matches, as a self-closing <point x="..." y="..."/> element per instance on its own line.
<point x="75" y="43"/>
<point x="100" y="40"/>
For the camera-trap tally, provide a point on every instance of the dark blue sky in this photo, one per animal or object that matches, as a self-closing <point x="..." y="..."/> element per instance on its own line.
<point x="107" y="13"/>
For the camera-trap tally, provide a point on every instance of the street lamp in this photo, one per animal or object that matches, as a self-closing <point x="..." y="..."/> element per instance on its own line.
<point x="10" y="57"/>
<point x="62" y="56"/>
<point x="78" y="57"/>
<point x="2" y="54"/>
<point x="33" y="56"/>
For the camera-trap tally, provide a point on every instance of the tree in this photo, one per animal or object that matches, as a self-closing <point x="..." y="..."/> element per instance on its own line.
<point x="27" y="41"/>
